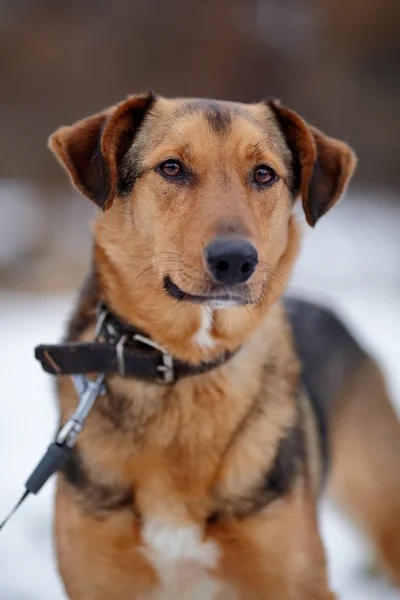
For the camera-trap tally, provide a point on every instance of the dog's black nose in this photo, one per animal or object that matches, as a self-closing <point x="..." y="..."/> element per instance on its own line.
<point x="231" y="260"/>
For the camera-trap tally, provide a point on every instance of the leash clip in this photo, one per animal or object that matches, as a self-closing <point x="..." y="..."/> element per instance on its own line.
<point x="57" y="453"/>
<point x="88" y="391"/>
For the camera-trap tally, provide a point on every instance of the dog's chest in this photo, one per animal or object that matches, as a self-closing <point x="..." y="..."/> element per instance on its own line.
<point x="183" y="561"/>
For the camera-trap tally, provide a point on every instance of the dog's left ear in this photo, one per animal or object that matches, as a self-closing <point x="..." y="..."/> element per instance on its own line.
<point x="91" y="150"/>
<point x="323" y="165"/>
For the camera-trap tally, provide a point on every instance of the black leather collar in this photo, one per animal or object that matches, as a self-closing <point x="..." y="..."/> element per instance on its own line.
<point x="119" y="348"/>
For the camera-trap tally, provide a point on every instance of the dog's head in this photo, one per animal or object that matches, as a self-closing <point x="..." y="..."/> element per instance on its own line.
<point x="198" y="198"/>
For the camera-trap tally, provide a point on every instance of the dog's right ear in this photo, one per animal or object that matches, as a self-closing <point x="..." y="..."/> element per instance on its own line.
<point x="324" y="165"/>
<point x="91" y="150"/>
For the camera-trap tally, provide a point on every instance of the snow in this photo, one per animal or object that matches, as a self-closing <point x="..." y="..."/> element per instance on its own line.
<point x="22" y="230"/>
<point x="351" y="260"/>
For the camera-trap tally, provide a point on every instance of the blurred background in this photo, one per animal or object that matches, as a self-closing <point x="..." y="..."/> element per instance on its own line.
<point x="334" y="61"/>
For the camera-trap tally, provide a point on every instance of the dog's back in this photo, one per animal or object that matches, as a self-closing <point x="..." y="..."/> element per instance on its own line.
<point x="328" y="352"/>
<point x="358" y="428"/>
<point x="329" y="355"/>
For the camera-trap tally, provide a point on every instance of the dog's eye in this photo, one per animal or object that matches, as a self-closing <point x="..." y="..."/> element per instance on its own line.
<point x="171" y="168"/>
<point x="264" y="175"/>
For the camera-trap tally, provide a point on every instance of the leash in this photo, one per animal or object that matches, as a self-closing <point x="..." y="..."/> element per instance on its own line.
<point x="58" y="452"/>
<point x="117" y="348"/>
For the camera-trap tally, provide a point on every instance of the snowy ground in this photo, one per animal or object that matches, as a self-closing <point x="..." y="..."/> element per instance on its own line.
<point x="352" y="260"/>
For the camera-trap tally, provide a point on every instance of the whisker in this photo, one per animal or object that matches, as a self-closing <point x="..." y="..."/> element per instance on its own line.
<point x="250" y="315"/>
<point x="211" y="317"/>
<point x="152" y="266"/>
<point x="271" y="292"/>
<point x="268" y="267"/>
<point x="163" y="252"/>
<point x="276" y="280"/>
<point x="185" y="303"/>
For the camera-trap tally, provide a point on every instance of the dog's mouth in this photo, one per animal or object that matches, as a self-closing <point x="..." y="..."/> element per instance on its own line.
<point x="216" y="296"/>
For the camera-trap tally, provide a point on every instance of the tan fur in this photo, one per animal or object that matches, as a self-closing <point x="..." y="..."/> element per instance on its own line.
<point x="197" y="447"/>
<point x="366" y="450"/>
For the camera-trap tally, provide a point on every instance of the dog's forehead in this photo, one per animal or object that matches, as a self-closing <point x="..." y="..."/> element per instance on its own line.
<point x="219" y="114"/>
<point x="202" y="122"/>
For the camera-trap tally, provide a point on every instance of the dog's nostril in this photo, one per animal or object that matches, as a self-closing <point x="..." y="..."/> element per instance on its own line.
<point x="247" y="267"/>
<point x="222" y="266"/>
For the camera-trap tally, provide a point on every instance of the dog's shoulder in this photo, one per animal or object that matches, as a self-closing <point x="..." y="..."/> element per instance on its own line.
<point x="327" y="350"/>
<point x="328" y="355"/>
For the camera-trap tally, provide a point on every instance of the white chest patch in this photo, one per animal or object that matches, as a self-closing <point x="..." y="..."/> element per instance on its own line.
<point x="203" y="336"/>
<point x="181" y="560"/>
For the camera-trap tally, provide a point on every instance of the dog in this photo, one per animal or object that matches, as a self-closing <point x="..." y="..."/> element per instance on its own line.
<point x="203" y="482"/>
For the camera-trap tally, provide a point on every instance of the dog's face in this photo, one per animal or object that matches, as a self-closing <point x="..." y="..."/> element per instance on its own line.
<point x="200" y="193"/>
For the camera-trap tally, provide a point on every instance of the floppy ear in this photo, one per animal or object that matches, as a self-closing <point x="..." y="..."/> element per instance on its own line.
<point x="322" y="165"/>
<point x="91" y="150"/>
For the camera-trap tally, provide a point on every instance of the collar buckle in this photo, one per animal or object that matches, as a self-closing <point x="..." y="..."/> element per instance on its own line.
<point x="102" y="314"/>
<point x="166" y="370"/>
<point x="120" y="352"/>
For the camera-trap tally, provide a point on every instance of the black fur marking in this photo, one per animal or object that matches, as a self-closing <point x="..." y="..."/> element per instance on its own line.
<point x="117" y="409"/>
<point x="321" y="190"/>
<point x="96" y="497"/>
<point x="328" y="353"/>
<point x="213" y="518"/>
<point x="137" y="116"/>
<point x="130" y="171"/>
<point x="218" y="118"/>
<point x="289" y="457"/>
<point x="287" y="464"/>
<point x="295" y="165"/>
<point x="85" y="311"/>
<point x="279" y="480"/>
<point x="97" y="176"/>
<point x="93" y="169"/>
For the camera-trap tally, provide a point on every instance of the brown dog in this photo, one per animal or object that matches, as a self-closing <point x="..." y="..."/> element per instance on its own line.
<point x="205" y="487"/>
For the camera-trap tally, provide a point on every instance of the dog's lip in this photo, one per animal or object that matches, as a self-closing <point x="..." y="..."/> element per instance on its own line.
<point x="217" y="296"/>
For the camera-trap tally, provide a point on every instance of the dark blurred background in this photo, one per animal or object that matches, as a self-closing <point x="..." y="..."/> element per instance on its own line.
<point x="335" y="61"/>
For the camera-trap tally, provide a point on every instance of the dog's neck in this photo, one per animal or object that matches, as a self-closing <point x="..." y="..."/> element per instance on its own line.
<point x="191" y="333"/>
<point x="188" y="332"/>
